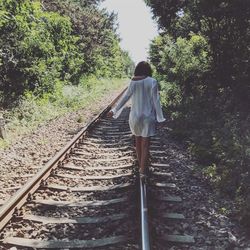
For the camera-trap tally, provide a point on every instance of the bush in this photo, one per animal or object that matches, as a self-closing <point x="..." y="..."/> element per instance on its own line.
<point x="37" y="49"/>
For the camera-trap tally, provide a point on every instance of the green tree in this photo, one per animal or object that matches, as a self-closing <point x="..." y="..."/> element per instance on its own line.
<point x="202" y="57"/>
<point x="225" y="24"/>
<point x="98" y="43"/>
<point x="37" y="49"/>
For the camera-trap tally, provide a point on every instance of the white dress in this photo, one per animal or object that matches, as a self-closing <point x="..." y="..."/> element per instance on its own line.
<point x="145" y="109"/>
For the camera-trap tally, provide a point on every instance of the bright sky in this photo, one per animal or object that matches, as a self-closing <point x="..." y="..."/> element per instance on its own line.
<point x="136" y="27"/>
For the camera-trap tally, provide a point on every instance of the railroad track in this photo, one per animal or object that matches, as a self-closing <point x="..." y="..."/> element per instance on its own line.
<point x="88" y="196"/>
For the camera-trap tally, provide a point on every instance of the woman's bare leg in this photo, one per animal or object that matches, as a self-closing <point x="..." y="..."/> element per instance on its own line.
<point x="145" y="142"/>
<point x="138" y="149"/>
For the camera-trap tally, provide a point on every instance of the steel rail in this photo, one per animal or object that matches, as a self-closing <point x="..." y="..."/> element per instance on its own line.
<point x="145" y="242"/>
<point x="21" y="196"/>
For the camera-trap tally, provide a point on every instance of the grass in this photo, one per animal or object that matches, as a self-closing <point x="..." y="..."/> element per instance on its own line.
<point x="33" y="112"/>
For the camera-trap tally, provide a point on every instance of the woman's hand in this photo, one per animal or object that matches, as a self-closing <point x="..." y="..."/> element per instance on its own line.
<point x="110" y="114"/>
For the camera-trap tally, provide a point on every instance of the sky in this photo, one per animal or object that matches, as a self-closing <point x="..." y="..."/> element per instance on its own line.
<point x="136" y="26"/>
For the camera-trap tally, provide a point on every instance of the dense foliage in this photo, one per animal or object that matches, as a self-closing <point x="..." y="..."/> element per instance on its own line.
<point x="202" y="58"/>
<point x="98" y="43"/>
<point x="36" y="47"/>
<point x="44" y="44"/>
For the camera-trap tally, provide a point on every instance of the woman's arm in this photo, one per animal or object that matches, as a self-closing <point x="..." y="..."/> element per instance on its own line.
<point x="125" y="97"/>
<point x="157" y="104"/>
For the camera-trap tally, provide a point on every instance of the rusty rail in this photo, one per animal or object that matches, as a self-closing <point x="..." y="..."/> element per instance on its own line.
<point x="19" y="199"/>
<point x="145" y="242"/>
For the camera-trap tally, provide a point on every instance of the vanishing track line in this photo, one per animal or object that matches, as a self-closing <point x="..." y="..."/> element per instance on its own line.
<point x="87" y="196"/>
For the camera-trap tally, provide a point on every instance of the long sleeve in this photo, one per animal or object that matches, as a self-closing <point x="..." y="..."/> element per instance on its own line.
<point x="157" y="104"/>
<point x="125" y="97"/>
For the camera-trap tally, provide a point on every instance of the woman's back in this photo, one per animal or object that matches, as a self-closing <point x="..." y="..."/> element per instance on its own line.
<point x="142" y="98"/>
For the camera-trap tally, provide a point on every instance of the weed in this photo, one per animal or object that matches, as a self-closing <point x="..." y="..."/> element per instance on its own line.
<point x="33" y="111"/>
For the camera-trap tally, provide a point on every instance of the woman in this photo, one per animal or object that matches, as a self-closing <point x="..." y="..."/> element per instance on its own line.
<point x="145" y="110"/>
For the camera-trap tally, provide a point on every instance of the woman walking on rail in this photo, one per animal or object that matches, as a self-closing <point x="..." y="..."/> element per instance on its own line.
<point x="145" y="111"/>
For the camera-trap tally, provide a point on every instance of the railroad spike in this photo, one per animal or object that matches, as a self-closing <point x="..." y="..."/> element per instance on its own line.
<point x="44" y="183"/>
<point x="53" y="171"/>
<point x="18" y="214"/>
<point x="30" y="197"/>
